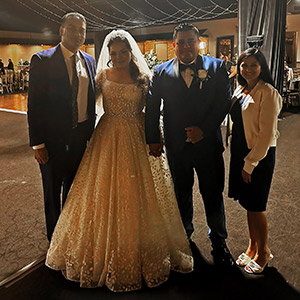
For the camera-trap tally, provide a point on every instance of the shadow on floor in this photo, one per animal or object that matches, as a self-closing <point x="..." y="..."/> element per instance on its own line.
<point x="206" y="282"/>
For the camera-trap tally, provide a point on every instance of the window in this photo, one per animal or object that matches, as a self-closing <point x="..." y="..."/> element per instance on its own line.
<point x="161" y="49"/>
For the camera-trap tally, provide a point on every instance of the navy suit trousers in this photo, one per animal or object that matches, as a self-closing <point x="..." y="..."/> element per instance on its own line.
<point x="58" y="173"/>
<point x="209" y="167"/>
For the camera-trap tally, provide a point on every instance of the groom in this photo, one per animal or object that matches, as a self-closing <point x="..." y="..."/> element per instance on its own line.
<point x="196" y="98"/>
<point x="61" y="112"/>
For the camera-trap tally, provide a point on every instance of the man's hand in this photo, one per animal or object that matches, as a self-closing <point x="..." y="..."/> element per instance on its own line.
<point x="156" y="149"/>
<point x="41" y="155"/>
<point x="194" y="134"/>
<point x="246" y="177"/>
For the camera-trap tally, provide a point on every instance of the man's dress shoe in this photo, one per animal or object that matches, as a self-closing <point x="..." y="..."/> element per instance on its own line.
<point x="221" y="255"/>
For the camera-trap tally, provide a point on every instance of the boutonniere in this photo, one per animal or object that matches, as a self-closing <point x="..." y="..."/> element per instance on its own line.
<point x="202" y="76"/>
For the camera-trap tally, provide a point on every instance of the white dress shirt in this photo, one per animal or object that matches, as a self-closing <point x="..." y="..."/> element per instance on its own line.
<point x="83" y="79"/>
<point x="188" y="73"/>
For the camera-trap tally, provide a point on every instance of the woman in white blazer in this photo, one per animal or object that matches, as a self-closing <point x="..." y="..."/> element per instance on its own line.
<point x="255" y="108"/>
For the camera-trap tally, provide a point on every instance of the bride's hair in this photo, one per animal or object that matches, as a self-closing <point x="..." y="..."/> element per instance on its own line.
<point x="134" y="70"/>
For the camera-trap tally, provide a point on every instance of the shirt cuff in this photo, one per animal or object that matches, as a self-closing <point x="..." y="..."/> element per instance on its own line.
<point x="36" y="147"/>
<point x="249" y="167"/>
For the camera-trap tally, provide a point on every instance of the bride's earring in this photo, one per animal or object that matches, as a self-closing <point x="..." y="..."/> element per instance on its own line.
<point x="109" y="64"/>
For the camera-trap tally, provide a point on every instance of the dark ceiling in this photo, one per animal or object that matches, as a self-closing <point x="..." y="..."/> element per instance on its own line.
<point x="43" y="16"/>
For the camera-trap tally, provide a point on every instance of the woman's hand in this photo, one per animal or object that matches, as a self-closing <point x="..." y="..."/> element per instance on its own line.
<point x="246" y="176"/>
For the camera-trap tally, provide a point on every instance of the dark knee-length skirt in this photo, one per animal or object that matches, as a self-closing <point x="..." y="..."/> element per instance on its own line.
<point x="252" y="196"/>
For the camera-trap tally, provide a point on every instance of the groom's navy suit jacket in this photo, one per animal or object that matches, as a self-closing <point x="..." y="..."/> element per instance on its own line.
<point x="50" y="98"/>
<point x="183" y="106"/>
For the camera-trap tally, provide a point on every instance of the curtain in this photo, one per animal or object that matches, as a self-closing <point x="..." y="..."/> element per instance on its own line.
<point x="265" y="18"/>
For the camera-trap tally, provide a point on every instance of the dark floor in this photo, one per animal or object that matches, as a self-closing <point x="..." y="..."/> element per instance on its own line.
<point x="206" y="282"/>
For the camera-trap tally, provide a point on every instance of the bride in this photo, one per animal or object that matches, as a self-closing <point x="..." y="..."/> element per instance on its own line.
<point x="120" y="223"/>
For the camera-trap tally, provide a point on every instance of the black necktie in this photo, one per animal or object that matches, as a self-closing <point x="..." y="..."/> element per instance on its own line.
<point x="75" y="84"/>
<point x="183" y="67"/>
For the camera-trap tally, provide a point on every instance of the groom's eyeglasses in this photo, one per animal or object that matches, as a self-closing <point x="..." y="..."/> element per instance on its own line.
<point x="190" y="43"/>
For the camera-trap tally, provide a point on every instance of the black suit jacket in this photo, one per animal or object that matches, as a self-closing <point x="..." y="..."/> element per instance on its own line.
<point x="50" y="97"/>
<point x="183" y="106"/>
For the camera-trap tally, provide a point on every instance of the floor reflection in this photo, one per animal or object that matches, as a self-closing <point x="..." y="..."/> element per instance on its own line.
<point x="14" y="101"/>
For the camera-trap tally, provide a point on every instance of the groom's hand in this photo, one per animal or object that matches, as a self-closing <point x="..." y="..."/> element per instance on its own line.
<point x="155" y="149"/>
<point x="194" y="134"/>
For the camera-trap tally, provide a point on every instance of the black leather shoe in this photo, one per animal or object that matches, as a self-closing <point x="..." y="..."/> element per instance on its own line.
<point x="222" y="256"/>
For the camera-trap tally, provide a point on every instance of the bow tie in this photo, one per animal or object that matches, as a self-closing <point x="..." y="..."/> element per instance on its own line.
<point x="183" y="67"/>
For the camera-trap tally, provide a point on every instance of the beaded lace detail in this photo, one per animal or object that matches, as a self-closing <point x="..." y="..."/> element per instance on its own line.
<point x="120" y="223"/>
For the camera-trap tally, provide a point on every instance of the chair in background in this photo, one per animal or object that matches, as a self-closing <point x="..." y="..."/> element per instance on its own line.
<point x="1" y="86"/>
<point x="10" y="79"/>
<point x="5" y="85"/>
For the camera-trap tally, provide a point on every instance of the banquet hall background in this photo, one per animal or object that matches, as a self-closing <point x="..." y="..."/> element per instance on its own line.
<point x="27" y="27"/>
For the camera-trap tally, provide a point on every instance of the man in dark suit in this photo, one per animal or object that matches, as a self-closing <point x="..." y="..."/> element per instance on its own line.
<point x="196" y="98"/>
<point x="10" y="65"/>
<point x="61" y="112"/>
<point x="228" y="64"/>
<point x="1" y="67"/>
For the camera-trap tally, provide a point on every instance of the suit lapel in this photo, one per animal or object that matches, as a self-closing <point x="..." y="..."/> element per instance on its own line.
<point x="199" y="62"/>
<point x="176" y="68"/>
<point x="60" y="67"/>
<point x="89" y="68"/>
<point x="205" y="64"/>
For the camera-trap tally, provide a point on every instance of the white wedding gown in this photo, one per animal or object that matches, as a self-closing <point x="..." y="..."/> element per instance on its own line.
<point x="120" y="223"/>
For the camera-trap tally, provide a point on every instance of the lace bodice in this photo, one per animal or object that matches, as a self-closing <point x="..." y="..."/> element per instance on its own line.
<point x="120" y="99"/>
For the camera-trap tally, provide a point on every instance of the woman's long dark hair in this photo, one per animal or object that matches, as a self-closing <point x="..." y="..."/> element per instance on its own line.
<point x="134" y="71"/>
<point x="265" y="73"/>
